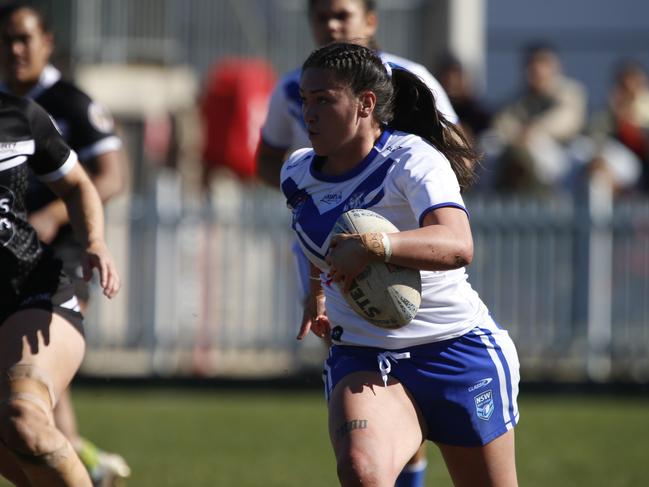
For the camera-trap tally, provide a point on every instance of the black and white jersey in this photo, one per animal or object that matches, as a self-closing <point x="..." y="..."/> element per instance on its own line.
<point x="86" y="126"/>
<point x="29" y="143"/>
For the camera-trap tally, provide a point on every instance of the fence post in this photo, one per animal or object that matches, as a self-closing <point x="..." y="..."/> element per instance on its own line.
<point x="600" y="275"/>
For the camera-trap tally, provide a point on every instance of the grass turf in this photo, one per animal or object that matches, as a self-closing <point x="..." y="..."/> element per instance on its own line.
<point x="179" y="437"/>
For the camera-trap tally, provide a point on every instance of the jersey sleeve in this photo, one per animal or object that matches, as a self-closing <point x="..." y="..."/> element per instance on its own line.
<point x="276" y="131"/>
<point x="91" y="127"/>
<point x="428" y="182"/>
<point x="52" y="157"/>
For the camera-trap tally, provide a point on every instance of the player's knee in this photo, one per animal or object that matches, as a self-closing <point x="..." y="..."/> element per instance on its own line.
<point x="26" y="424"/>
<point x="358" y="467"/>
<point x="29" y="434"/>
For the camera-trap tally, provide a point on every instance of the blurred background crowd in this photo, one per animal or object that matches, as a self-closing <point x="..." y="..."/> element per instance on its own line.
<point x="555" y="94"/>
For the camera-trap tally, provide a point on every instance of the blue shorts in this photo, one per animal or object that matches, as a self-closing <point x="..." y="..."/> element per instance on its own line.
<point x="466" y="387"/>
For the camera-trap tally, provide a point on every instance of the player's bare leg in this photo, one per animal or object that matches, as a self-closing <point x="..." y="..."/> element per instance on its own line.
<point x="39" y="354"/>
<point x="492" y="465"/>
<point x="374" y="429"/>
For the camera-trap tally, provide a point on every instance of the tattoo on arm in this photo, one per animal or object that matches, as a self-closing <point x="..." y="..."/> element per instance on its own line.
<point x="354" y="424"/>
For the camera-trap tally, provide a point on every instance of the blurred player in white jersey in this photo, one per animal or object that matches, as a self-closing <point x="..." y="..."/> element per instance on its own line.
<point x="451" y="375"/>
<point x="284" y="130"/>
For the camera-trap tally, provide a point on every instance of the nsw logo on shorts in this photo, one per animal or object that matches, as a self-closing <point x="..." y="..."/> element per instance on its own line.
<point x="484" y="404"/>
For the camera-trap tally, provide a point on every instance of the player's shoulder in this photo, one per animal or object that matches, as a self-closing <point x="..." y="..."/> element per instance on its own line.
<point x="7" y="100"/>
<point x="401" y="62"/>
<point x="23" y="107"/>
<point x="65" y="91"/>
<point x="297" y="161"/>
<point x="407" y="143"/>
<point x="410" y="150"/>
<point x="289" y="78"/>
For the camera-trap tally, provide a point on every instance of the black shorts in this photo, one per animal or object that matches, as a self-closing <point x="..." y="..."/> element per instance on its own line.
<point x="47" y="288"/>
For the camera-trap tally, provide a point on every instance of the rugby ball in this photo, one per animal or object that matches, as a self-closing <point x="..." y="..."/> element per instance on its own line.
<point x="385" y="295"/>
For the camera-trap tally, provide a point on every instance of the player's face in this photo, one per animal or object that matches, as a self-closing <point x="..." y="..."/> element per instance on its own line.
<point x="330" y="111"/>
<point x="342" y="20"/>
<point x="26" y="49"/>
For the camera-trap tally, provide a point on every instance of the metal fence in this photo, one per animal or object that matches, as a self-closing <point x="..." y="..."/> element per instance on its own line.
<point x="198" y="33"/>
<point x="210" y="289"/>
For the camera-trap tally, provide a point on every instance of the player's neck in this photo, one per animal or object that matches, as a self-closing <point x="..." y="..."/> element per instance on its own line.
<point x="351" y="153"/>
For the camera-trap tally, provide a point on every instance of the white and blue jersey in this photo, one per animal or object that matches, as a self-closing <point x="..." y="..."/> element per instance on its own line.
<point x="284" y="127"/>
<point x="402" y="178"/>
<point x="459" y="366"/>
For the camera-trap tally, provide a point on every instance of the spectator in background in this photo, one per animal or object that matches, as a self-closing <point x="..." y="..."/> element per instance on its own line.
<point x="27" y="44"/>
<point x="528" y="152"/>
<point x="620" y="133"/>
<point x="474" y="116"/>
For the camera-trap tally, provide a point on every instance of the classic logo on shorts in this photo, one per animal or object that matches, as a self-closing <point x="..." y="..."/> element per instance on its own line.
<point x="480" y="384"/>
<point x="484" y="404"/>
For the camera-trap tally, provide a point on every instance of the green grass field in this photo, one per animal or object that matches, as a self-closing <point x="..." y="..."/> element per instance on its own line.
<point x="183" y="438"/>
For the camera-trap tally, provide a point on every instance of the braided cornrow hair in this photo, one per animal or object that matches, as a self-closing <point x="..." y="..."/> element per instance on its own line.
<point x="403" y="101"/>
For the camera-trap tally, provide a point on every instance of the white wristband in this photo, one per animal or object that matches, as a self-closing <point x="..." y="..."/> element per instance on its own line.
<point x="387" y="246"/>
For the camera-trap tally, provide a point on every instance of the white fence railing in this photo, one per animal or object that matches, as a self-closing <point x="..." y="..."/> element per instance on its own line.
<point x="211" y="291"/>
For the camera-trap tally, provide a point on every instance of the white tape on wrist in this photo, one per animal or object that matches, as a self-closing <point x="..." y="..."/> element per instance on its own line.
<point x="387" y="246"/>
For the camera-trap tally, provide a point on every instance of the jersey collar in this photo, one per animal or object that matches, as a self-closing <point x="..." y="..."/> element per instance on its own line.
<point x="49" y="76"/>
<point x="316" y="161"/>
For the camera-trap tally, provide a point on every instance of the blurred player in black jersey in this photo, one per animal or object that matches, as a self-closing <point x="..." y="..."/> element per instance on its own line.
<point x="27" y="44"/>
<point x="41" y="326"/>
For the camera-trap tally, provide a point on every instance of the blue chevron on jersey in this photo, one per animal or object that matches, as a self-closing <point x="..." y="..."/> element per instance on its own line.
<point x="403" y="178"/>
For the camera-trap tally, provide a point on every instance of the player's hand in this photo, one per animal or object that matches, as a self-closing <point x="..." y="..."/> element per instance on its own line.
<point x="98" y="257"/>
<point x="315" y="316"/>
<point x="45" y="226"/>
<point x="347" y="257"/>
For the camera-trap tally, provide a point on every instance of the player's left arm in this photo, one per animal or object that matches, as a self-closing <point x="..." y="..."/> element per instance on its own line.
<point x="93" y="135"/>
<point x="443" y="242"/>
<point x="109" y="178"/>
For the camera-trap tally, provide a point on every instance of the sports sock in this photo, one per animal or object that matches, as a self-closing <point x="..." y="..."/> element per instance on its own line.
<point x="89" y="454"/>
<point x="413" y="475"/>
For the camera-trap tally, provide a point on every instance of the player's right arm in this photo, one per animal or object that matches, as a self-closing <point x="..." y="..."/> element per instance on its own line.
<point x="276" y="137"/>
<point x="269" y="163"/>
<point x="315" y="315"/>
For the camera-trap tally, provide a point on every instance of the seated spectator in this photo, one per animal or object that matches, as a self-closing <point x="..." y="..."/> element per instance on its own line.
<point x="624" y="124"/>
<point x="473" y="114"/>
<point x="528" y="152"/>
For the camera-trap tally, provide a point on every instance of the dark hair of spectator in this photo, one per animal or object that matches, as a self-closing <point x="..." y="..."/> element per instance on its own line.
<point x="538" y="47"/>
<point x="369" y="5"/>
<point x="8" y="9"/>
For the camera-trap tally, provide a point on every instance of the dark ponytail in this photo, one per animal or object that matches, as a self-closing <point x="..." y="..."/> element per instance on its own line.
<point x="415" y="112"/>
<point x="403" y="102"/>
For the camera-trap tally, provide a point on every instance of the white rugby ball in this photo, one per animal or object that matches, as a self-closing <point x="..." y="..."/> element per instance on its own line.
<point x="386" y="295"/>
